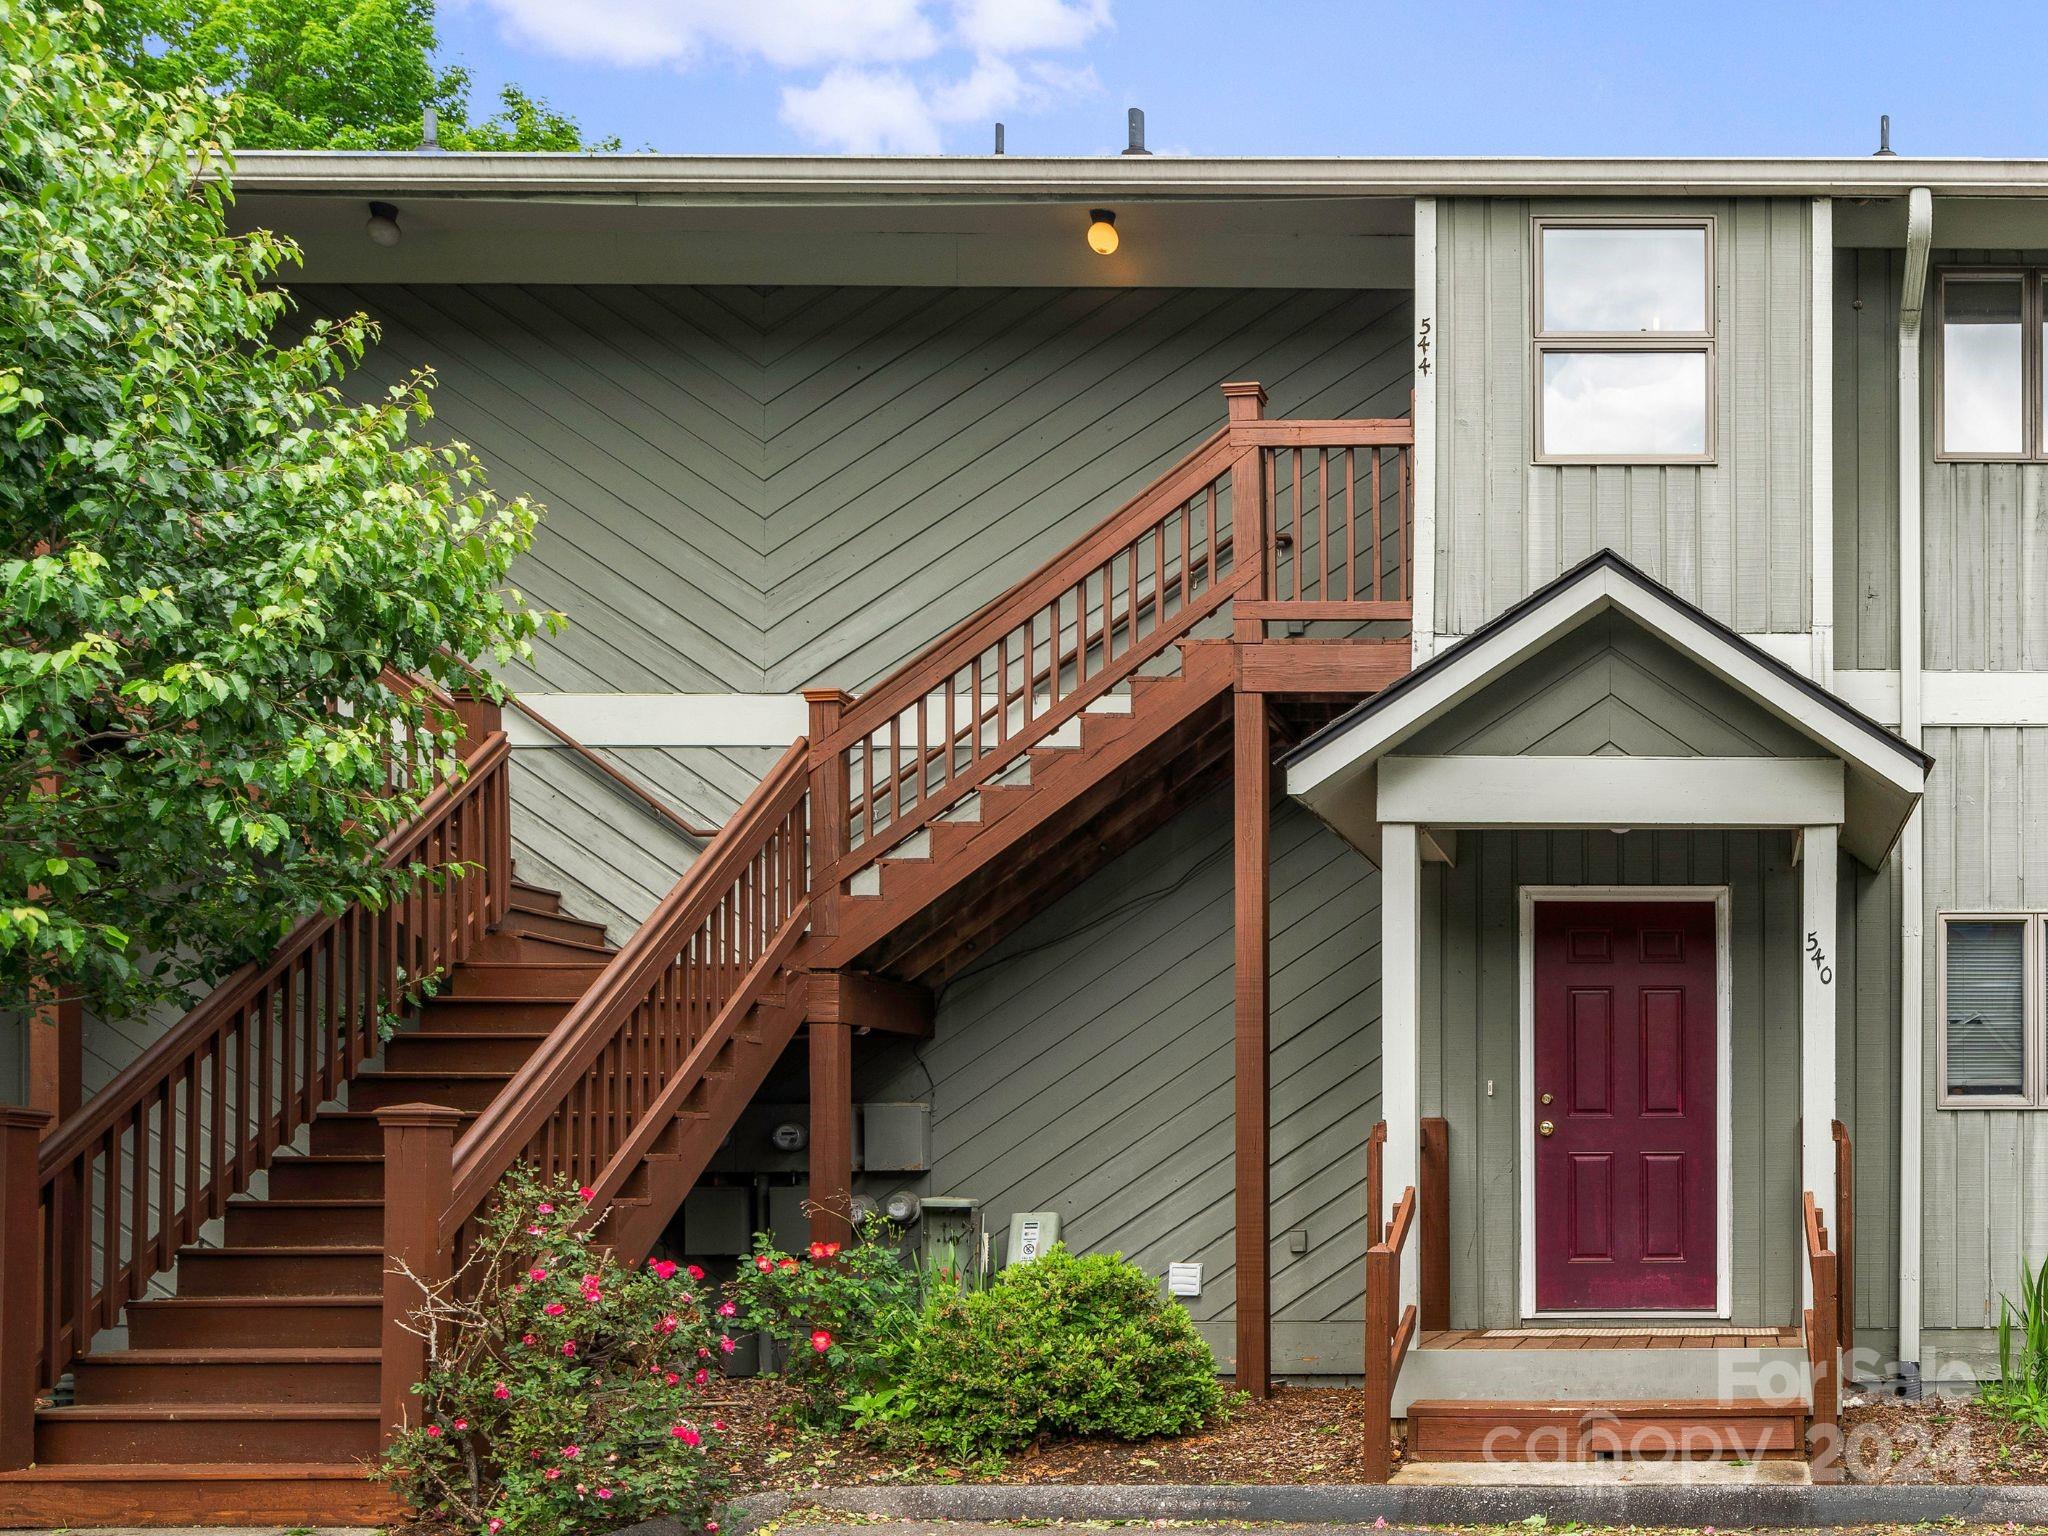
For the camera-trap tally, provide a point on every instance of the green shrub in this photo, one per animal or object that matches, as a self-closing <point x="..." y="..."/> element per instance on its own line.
<point x="566" y="1393"/>
<point x="1085" y="1346"/>
<point x="840" y="1318"/>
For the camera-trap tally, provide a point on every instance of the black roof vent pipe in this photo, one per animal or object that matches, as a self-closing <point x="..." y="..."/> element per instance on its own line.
<point x="1137" y="144"/>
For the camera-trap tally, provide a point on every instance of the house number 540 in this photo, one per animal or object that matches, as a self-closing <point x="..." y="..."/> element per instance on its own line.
<point x="1819" y="958"/>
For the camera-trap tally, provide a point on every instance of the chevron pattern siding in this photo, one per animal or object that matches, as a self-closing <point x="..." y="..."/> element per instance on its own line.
<point x="761" y="489"/>
<point x="1085" y="1068"/>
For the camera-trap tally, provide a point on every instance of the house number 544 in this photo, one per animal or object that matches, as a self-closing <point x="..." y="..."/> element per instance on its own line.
<point x="1819" y="958"/>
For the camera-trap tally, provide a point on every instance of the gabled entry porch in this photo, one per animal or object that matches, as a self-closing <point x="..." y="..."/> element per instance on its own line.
<point x="1615" y="840"/>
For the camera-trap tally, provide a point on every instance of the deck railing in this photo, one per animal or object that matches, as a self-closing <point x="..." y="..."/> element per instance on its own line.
<point x="1389" y="1327"/>
<point x="131" y="1177"/>
<point x="1294" y="521"/>
<point x="1823" y="1332"/>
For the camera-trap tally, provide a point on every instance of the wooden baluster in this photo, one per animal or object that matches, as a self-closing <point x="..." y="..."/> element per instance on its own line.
<point x="1248" y="536"/>
<point x="21" y="1266"/>
<point x="1379" y="564"/>
<point x="166" y="1165"/>
<point x="1003" y="690"/>
<point x="110" y="1231"/>
<point x="419" y="1182"/>
<point x="216" y="1127"/>
<point x="1300" y="583"/>
<point x="138" y="1201"/>
<point x="1158" y="576"/>
<point x="193" y="1212"/>
<point x="1187" y="551"/>
<point x="1405" y="508"/>
<point x="1131" y="602"/>
<point x="1351" y="525"/>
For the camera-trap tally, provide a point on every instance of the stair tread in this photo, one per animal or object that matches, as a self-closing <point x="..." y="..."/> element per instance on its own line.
<point x="296" y="1299"/>
<point x="297" y="1202"/>
<point x="237" y="1413"/>
<point x="185" y="1471"/>
<point x="1702" y="1407"/>
<point x="173" y="1354"/>
<point x="282" y="1250"/>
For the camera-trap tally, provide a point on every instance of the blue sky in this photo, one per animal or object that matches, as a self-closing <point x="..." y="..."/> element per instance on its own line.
<point x="1271" y="76"/>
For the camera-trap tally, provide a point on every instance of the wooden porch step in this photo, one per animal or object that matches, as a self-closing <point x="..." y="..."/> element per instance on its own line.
<point x="345" y="1321"/>
<point x="1702" y="1429"/>
<point x="227" y="1376"/>
<point x="457" y="1090"/>
<point x="286" y="1270"/>
<point x="278" y="1223"/>
<point x="126" y="1433"/>
<point x="354" y="1133"/>
<point x="283" y="1494"/>
<point x="522" y="1014"/>
<point x="546" y="923"/>
<point x="523" y="978"/>
<point x="462" y="1050"/>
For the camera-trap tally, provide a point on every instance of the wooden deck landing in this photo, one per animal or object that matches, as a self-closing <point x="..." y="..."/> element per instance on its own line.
<point x="1607" y="1338"/>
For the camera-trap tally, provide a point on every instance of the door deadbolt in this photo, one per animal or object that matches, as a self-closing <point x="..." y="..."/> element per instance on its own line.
<point x="1548" y="1098"/>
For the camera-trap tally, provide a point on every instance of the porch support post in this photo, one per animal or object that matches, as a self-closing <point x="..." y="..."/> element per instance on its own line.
<point x="1401" y="1021"/>
<point x="21" y="1262"/>
<point x="831" y="1052"/>
<point x="1253" y="819"/>
<point x="1817" y="1024"/>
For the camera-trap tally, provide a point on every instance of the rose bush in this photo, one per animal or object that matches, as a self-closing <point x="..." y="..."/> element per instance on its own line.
<point x="839" y="1317"/>
<point x="564" y="1392"/>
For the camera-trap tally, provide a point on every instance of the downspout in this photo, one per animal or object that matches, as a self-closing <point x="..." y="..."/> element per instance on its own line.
<point x="1912" y="300"/>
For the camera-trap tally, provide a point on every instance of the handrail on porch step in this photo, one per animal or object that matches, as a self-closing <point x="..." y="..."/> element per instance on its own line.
<point x="131" y="1177"/>
<point x="1389" y="1327"/>
<point x="1294" y="521"/>
<point x="1823" y="1335"/>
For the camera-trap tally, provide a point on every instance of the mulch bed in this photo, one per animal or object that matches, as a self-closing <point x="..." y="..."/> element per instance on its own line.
<point x="1299" y="1435"/>
<point x="1939" y="1440"/>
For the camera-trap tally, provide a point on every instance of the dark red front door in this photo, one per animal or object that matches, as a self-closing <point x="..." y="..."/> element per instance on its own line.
<point x="1625" y="1177"/>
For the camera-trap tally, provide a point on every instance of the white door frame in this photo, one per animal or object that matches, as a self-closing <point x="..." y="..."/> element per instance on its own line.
<point x="1724" y="977"/>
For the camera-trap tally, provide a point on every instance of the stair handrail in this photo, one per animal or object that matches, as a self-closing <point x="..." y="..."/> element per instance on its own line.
<point x="1389" y="1327"/>
<point x="243" y="1070"/>
<point x="659" y="808"/>
<point x="1822" y="1320"/>
<point x="746" y="898"/>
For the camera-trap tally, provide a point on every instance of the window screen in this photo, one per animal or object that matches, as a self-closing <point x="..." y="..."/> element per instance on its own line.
<point x="1986" y="1025"/>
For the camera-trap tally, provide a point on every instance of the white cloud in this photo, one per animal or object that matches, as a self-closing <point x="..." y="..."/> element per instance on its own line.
<point x="789" y="34"/>
<point x="864" y="112"/>
<point x="895" y="73"/>
<point x="1028" y="26"/>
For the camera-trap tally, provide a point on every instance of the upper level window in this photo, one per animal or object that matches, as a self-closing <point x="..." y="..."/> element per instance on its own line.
<point x="1624" y="340"/>
<point x="1993" y="401"/>
<point x="1991" y="1009"/>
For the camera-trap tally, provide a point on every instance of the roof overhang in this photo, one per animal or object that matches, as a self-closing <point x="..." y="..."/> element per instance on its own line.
<point x="715" y="178"/>
<point x="1336" y="771"/>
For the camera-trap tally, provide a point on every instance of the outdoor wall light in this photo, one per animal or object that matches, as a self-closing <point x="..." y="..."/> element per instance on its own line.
<point x="1102" y="238"/>
<point x="383" y="225"/>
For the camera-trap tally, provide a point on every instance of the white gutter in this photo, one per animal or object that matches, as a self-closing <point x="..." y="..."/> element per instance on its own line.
<point x="1821" y="237"/>
<point x="712" y="179"/>
<point x="1912" y="299"/>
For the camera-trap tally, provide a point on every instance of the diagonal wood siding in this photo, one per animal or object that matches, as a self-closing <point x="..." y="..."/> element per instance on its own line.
<point x="760" y="489"/>
<point x="1085" y="1068"/>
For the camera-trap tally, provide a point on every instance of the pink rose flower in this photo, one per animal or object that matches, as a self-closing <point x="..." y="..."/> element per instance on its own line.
<point x="669" y="1324"/>
<point x="727" y="1309"/>
<point x="496" y="1525"/>
<point x="536" y="1274"/>
<point x="764" y="1264"/>
<point x="552" y="1473"/>
<point x="586" y="1193"/>
<point x="461" y="1424"/>
<point x="695" y="1272"/>
<point x="687" y="1433"/>
<point x="702" y="1376"/>
<point x="604" y="1493"/>
<point x="712" y="1526"/>
<point x="664" y="1269"/>
<point x="569" y="1350"/>
<point x="554" y="1309"/>
<point x="670" y="1379"/>
<point x="725" y="1343"/>
<point x="821" y="1341"/>
<point x="433" y="1431"/>
<point x="719" y="1425"/>
<point x="545" y="1209"/>
<point x="571" y="1452"/>
<point x="501" y="1392"/>
<point x="528" y="1340"/>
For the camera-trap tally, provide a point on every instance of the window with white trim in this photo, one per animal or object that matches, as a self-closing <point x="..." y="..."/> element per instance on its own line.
<point x="1623" y="370"/>
<point x="1992" y="996"/>
<point x="1992" y="389"/>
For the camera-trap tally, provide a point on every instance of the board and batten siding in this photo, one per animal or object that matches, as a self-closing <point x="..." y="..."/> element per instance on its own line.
<point x="1086" y="1068"/>
<point x="1471" y="1060"/>
<point x="1984" y="526"/>
<point x="762" y="489"/>
<point x="1731" y="536"/>
<point x="1986" y="1206"/>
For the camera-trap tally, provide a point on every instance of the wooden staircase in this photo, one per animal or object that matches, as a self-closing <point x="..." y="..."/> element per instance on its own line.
<point x="251" y="1395"/>
<point x="1695" y="1430"/>
<point x="907" y="832"/>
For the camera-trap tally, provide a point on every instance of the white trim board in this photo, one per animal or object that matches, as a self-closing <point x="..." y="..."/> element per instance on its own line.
<point x="662" y="719"/>
<point x="1724" y="1134"/>
<point x="1952" y="698"/>
<point x="1478" y="791"/>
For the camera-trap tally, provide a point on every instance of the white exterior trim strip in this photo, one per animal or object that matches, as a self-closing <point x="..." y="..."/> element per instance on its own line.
<point x="662" y="719"/>
<point x="1561" y="792"/>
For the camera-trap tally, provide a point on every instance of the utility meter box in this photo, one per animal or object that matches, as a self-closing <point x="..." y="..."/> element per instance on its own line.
<point x="1031" y="1233"/>
<point x="949" y="1236"/>
<point x="896" y="1138"/>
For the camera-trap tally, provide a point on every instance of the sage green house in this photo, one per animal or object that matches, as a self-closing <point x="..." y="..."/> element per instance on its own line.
<point x="1450" y="755"/>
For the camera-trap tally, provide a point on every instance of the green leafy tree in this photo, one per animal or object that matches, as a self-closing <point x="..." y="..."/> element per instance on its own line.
<point x="324" y="74"/>
<point x="208" y="555"/>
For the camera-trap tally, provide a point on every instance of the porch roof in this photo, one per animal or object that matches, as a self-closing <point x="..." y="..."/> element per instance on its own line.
<point x="1336" y="771"/>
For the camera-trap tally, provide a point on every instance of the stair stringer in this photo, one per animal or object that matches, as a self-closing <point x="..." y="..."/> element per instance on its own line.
<point x="669" y="1171"/>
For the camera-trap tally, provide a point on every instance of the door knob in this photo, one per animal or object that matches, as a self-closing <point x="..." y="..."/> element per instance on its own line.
<point x="1545" y="1129"/>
